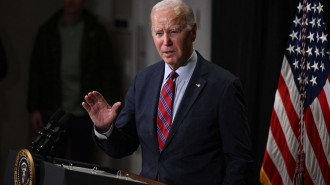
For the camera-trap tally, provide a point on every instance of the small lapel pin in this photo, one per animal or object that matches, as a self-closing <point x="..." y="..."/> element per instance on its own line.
<point x="198" y="85"/>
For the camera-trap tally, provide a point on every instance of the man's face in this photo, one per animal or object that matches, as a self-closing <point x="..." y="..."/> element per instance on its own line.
<point x="173" y="41"/>
<point x="73" y="6"/>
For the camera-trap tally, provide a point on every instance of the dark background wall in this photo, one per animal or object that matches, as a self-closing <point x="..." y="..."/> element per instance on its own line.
<point x="134" y="48"/>
<point x="249" y="38"/>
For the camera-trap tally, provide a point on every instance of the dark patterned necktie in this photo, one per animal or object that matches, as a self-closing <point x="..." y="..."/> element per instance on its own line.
<point x="164" y="113"/>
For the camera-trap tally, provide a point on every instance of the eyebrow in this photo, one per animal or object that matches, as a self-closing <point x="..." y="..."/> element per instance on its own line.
<point x="176" y="27"/>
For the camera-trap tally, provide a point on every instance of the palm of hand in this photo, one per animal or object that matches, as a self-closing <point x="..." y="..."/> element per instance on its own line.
<point x="101" y="113"/>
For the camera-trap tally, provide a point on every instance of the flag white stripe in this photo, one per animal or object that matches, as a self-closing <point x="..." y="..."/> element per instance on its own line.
<point x="312" y="165"/>
<point x="277" y="158"/>
<point x="321" y="128"/>
<point x="290" y="138"/>
<point x="289" y="81"/>
<point x="327" y="91"/>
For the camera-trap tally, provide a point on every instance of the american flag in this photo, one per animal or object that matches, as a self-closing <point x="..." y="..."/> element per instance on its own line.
<point x="298" y="139"/>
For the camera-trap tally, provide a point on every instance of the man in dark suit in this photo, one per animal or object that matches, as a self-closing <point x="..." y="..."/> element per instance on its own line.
<point x="207" y="140"/>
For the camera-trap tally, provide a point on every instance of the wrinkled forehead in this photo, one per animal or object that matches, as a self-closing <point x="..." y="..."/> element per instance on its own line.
<point x="167" y="18"/>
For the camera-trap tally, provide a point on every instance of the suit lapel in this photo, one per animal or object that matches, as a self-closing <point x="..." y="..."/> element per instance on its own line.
<point x="194" y="88"/>
<point x="156" y="80"/>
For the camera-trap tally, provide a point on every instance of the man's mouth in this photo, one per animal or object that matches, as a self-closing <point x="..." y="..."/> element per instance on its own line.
<point x="168" y="52"/>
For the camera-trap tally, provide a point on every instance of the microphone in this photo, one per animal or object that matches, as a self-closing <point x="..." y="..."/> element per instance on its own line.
<point x="43" y="131"/>
<point x="56" y="132"/>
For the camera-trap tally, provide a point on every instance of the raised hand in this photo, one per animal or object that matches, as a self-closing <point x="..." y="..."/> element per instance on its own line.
<point x="100" y="112"/>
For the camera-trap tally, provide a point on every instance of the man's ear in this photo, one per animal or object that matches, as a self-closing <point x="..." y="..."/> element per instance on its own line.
<point x="193" y="32"/>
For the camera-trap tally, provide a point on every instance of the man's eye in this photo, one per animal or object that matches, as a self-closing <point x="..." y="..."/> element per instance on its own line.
<point x="159" y="33"/>
<point x="175" y="32"/>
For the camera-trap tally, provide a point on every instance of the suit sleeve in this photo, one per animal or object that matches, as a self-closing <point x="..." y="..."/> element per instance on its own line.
<point x="235" y="134"/>
<point x="123" y="140"/>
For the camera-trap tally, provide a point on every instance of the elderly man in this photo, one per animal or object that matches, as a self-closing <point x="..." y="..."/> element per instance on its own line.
<point x="187" y="114"/>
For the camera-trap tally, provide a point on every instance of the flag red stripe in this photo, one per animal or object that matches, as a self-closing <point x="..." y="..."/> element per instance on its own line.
<point x="290" y="111"/>
<point x="308" y="179"/>
<point x="325" y="108"/>
<point x="270" y="168"/>
<point x="316" y="144"/>
<point x="280" y="140"/>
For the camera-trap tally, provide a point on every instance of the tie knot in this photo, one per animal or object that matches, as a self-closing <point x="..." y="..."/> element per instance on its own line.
<point x="173" y="75"/>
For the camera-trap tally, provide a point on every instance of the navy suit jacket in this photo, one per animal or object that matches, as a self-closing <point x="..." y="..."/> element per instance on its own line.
<point x="208" y="142"/>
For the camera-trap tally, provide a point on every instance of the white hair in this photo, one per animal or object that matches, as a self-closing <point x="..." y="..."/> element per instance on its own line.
<point x="179" y="7"/>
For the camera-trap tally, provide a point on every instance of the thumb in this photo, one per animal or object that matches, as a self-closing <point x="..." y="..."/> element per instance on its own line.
<point x="116" y="106"/>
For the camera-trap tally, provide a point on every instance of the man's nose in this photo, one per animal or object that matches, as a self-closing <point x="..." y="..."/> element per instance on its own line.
<point x="167" y="39"/>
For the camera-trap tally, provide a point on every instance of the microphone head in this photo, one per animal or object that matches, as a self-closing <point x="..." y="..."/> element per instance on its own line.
<point x="56" y="116"/>
<point x="54" y="134"/>
<point x="44" y="130"/>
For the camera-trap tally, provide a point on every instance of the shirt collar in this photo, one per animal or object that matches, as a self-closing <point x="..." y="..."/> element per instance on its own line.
<point x="184" y="71"/>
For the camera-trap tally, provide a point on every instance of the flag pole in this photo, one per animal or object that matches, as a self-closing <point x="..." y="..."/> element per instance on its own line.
<point x="299" y="175"/>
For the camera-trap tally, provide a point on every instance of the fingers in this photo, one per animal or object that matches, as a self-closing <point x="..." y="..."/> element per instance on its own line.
<point x="98" y="96"/>
<point x="89" y="101"/>
<point x="86" y="106"/>
<point x="92" y="97"/>
<point x="95" y="97"/>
